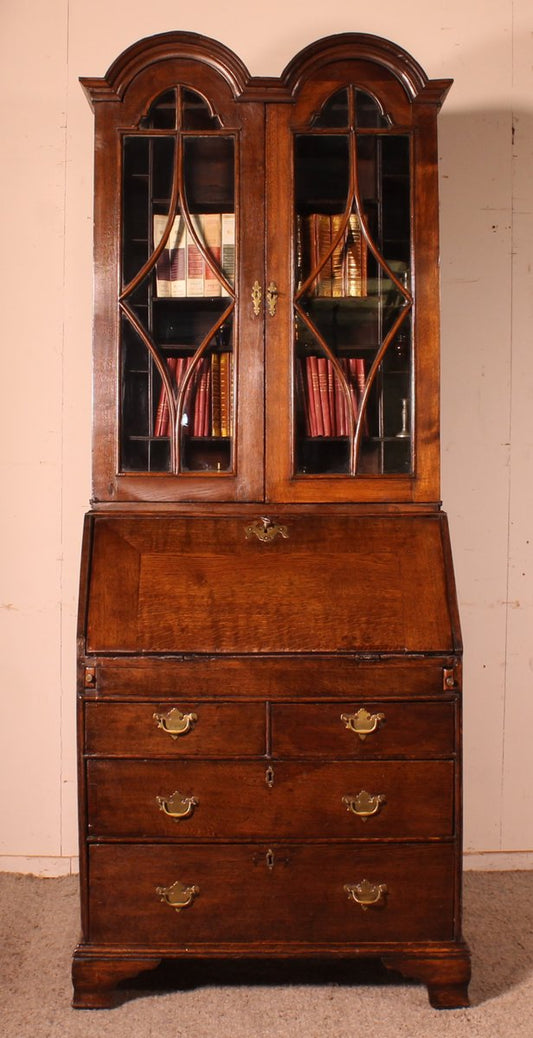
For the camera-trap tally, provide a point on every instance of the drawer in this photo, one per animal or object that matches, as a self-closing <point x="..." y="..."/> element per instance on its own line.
<point x="286" y="895"/>
<point x="268" y="677"/>
<point x="184" y="728"/>
<point x="224" y="800"/>
<point x="363" y="729"/>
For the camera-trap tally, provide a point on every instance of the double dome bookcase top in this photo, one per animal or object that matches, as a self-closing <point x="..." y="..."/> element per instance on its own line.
<point x="323" y="185"/>
<point x="269" y="648"/>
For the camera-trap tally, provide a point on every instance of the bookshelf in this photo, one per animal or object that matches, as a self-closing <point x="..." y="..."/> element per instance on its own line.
<point x="269" y="649"/>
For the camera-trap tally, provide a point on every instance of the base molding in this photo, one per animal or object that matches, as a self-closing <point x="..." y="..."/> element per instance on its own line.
<point x="444" y="969"/>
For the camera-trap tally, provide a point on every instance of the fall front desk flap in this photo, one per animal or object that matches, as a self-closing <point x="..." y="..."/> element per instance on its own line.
<point x="173" y="584"/>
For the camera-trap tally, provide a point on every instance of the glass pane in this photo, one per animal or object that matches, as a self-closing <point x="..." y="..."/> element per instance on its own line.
<point x="178" y="270"/>
<point x="162" y="114"/>
<point x="196" y="114"/>
<point x="162" y="154"/>
<point x="199" y="255"/>
<point x="207" y="407"/>
<point x="321" y="172"/>
<point x="367" y="111"/>
<point x="353" y="357"/>
<point x="334" y="113"/>
<point x="209" y="174"/>
<point x="323" y="412"/>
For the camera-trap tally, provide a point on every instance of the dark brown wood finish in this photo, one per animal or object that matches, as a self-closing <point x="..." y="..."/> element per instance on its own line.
<point x="269" y="659"/>
<point x="272" y="677"/>
<point x="239" y="801"/>
<point x="118" y="114"/>
<point x="248" y="893"/>
<point x="416" y="728"/>
<point x="329" y="585"/>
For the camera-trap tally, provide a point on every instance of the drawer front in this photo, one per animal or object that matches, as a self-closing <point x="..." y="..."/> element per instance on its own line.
<point x="183" y="728"/>
<point x="269" y="677"/>
<point x="357" y="729"/>
<point x="245" y="894"/>
<point x="216" y="801"/>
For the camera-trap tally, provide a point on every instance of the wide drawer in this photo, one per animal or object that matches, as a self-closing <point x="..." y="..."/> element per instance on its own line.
<point x="269" y="677"/>
<point x="225" y="800"/>
<point x="282" y="895"/>
<point x="357" y="729"/>
<point x="183" y="728"/>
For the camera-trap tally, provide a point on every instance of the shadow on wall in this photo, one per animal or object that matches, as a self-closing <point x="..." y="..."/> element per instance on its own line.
<point x="486" y="223"/>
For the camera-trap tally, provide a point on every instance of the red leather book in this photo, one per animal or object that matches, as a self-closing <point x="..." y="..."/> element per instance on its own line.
<point x="314" y="397"/>
<point x="323" y="395"/>
<point x="161" y="424"/>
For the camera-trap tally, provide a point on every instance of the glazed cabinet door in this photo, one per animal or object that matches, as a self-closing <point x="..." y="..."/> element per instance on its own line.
<point x="178" y="337"/>
<point x="352" y="356"/>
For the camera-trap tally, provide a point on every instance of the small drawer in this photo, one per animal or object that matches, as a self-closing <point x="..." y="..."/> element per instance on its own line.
<point x="246" y="895"/>
<point x="192" y="800"/>
<point x="348" y="729"/>
<point x="183" y="728"/>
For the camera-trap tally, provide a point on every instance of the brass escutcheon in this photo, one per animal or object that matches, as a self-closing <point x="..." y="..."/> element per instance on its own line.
<point x="362" y="723"/>
<point x="265" y="530"/>
<point x="272" y="298"/>
<point x="175" y="723"/>
<point x="256" y="298"/>
<point x="364" y="804"/>
<point x="177" y="806"/>
<point x="365" y="894"/>
<point x="177" y="896"/>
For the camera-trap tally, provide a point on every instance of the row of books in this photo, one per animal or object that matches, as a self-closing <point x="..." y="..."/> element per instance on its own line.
<point x="325" y="407"/>
<point x="181" y="269"/>
<point x="345" y="272"/>
<point x="207" y="408"/>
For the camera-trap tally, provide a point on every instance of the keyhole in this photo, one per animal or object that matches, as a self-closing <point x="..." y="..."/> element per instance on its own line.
<point x="270" y="859"/>
<point x="269" y="777"/>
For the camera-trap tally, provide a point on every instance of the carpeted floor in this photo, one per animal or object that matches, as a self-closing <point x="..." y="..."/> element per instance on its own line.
<point x="39" y="928"/>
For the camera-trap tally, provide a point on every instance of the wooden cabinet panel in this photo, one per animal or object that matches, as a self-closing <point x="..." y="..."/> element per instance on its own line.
<point x="415" y="729"/>
<point x="333" y="584"/>
<point x="182" y="728"/>
<point x="226" y="800"/>
<point x="258" y="894"/>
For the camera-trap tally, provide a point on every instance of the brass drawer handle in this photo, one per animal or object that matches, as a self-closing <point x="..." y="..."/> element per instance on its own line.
<point x="362" y="723"/>
<point x="364" y="804"/>
<point x="265" y="530"/>
<point x="177" y="806"/>
<point x="177" y="896"/>
<point x="175" y="723"/>
<point x="365" y="894"/>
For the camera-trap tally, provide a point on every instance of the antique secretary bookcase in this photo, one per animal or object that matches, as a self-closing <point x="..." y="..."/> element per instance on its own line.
<point x="269" y="646"/>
